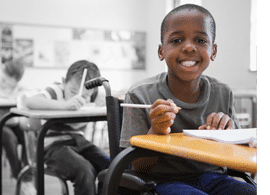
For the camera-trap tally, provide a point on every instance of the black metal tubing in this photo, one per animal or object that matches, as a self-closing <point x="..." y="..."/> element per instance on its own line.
<point x="243" y="175"/>
<point x="40" y="145"/>
<point x="3" y="120"/>
<point x="119" y="164"/>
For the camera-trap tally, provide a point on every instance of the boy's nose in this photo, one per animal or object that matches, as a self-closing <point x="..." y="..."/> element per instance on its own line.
<point x="188" y="47"/>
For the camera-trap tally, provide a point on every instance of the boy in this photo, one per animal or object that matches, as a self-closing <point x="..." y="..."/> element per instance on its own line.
<point x="187" y="37"/>
<point x="11" y="73"/>
<point x="67" y="151"/>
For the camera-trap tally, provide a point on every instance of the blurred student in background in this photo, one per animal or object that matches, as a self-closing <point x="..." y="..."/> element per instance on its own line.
<point x="11" y="73"/>
<point x="66" y="149"/>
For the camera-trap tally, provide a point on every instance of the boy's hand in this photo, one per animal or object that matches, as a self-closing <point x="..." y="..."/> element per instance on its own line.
<point x="75" y="103"/>
<point x="218" y="121"/>
<point x="162" y="115"/>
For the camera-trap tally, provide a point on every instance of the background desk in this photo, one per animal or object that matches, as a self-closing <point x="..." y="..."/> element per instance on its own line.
<point x="248" y="94"/>
<point x="241" y="158"/>
<point x="7" y="103"/>
<point x="52" y="118"/>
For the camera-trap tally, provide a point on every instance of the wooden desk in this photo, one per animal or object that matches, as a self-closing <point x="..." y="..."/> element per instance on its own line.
<point x="52" y="118"/>
<point x="242" y="158"/>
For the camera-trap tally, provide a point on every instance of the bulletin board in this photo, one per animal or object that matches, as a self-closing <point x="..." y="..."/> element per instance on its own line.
<point x="59" y="47"/>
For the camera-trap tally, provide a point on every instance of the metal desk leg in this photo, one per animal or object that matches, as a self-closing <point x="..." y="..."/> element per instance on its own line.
<point x="40" y="145"/>
<point x="40" y="156"/>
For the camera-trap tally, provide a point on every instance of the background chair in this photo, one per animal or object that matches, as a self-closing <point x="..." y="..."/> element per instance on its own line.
<point x="118" y="179"/>
<point x="30" y="126"/>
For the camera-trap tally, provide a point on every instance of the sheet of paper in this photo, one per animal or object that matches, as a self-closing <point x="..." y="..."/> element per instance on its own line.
<point x="235" y="136"/>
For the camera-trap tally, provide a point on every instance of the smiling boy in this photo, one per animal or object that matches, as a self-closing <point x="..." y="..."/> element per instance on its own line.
<point x="188" y="46"/>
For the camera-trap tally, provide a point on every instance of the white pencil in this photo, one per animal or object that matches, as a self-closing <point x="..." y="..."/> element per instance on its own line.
<point x="139" y="105"/>
<point x="82" y="82"/>
<point x="135" y="105"/>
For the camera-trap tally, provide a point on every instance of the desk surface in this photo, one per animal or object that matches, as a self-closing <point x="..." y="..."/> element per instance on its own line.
<point x="242" y="158"/>
<point x="7" y="103"/>
<point x="49" y="114"/>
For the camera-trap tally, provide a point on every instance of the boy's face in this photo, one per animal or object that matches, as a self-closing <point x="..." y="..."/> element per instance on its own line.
<point x="7" y="84"/>
<point x="72" y="87"/>
<point x="187" y="45"/>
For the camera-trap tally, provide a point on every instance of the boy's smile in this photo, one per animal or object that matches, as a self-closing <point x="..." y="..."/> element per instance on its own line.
<point x="187" y="45"/>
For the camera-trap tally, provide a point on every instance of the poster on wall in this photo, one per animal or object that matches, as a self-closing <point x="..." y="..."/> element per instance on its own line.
<point x="56" y="47"/>
<point x="23" y="50"/>
<point x="6" y="51"/>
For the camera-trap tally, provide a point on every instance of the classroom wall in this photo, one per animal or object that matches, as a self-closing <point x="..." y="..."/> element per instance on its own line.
<point x="233" y="26"/>
<point x="95" y="14"/>
<point x="233" y="40"/>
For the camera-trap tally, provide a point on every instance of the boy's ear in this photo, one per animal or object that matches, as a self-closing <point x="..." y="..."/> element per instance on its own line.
<point x="214" y="52"/>
<point x="160" y="52"/>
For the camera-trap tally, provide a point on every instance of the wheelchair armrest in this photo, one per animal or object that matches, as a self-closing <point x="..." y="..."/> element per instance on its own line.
<point x="118" y="165"/>
<point x="132" y="180"/>
<point x="242" y="175"/>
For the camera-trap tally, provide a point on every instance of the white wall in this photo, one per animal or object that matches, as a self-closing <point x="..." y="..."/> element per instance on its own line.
<point x="233" y="40"/>
<point x="233" y="28"/>
<point x="93" y="14"/>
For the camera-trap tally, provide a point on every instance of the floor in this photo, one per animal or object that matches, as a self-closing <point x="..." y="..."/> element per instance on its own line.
<point x="52" y="185"/>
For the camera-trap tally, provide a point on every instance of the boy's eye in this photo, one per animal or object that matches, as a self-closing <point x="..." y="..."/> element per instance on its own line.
<point x="201" y="40"/>
<point x="176" y="40"/>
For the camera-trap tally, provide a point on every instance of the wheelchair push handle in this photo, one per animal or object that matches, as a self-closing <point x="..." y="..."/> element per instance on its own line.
<point x="96" y="82"/>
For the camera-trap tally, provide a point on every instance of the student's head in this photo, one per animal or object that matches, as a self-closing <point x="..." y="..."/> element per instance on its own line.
<point x="11" y="73"/>
<point x="73" y="79"/>
<point x="187" y="37"/>
<point x="189" y="7"/>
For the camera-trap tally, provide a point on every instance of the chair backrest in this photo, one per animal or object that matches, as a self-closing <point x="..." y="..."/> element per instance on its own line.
<point x="114" y="120"/>
<point x="114" y="114"/>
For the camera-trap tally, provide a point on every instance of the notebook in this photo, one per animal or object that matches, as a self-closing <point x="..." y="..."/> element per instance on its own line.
<point x="235" y="136"/>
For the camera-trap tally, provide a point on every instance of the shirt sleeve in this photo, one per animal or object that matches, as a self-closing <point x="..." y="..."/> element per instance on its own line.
<point x="135" y="122"/>
<point x="53" y="91"/>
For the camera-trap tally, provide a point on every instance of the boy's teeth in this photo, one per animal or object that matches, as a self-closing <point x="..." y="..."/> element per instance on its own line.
<point x="188" y="63"/>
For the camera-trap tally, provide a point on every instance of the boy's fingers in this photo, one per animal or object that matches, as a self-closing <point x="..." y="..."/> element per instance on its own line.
<point x="163" y="117"/>
<point x="203" y="127"/>
<point x="159" y="110"/>
<point x="217" y="119"/>
<point x="163" y="128"/>
<point x="160" y="102"/>
<point x="209" y="119"/>
<point x="225" y="122"/>
<point x="230" y="124"/>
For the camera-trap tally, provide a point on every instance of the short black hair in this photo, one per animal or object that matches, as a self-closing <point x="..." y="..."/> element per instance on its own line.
<point x="76" y="70"/>
<point x="188" y="7"/>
